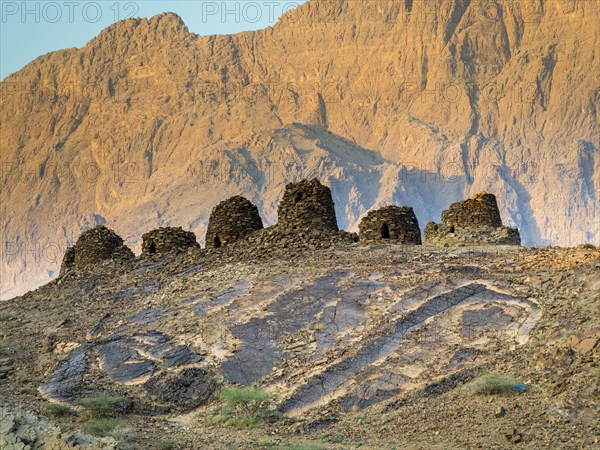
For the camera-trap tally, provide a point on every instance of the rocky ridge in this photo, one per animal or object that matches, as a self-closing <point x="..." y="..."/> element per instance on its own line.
<point x="362" y="343"/>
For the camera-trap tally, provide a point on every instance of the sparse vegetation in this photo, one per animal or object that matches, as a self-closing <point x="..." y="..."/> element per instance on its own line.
<point x="103" y="427"/>
<point x="57" y="410"/>
<point x="246" y="407"/>
<point x="495" y="383"/>
<point x="103" y="406"/>
<point x="167" y="444"/>
<point x="301" y="447"/>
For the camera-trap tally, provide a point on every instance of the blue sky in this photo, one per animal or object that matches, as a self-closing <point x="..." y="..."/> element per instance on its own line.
<point x="29" y="29"/>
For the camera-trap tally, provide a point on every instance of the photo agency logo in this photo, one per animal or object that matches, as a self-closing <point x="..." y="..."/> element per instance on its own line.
<point x="269" y="12"/>
<point x="111" y="163"/>
<point x="67" y="12"/>
<point x="248" y="12"/>
<point x="32" y="252"/>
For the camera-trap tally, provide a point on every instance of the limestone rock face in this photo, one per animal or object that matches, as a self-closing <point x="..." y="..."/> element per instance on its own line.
<point x="391" y="102"/>
<point x="307" y="205"/>
<point x="231" y="220"/>
<point x="94" y="247"/>
<point x="475" y="221"/>
<point x="396" y="224"/>
<point x="167" y="240"/>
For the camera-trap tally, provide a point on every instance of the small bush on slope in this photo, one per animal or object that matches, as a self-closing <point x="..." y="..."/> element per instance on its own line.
<point x="495" y="383"/>
<point x="246" y="407"/>
<point x="103" y="406"/>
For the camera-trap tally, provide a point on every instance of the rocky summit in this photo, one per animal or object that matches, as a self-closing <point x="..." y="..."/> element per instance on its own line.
<point x="388" y="102"/>
<point x="300" y="335"/>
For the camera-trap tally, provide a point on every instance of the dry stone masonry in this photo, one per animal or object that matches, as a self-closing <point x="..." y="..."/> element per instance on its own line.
<point x="393" y="224"/>
<point x="231" y="220"/>
<point x="307" y="222"/>
<point x="307" y="205"/>
<point x="167" y="240"/>
<point x="475" y="221"/>
<point x="93" y="247"/>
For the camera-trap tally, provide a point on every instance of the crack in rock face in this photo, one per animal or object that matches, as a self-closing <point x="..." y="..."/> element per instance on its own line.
<point x="133" y="359"/>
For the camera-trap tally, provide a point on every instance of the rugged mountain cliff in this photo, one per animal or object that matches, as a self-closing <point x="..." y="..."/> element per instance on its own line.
<point x="389" y="102"/>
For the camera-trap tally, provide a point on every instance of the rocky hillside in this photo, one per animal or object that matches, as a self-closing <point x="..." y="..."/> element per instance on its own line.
<point x="358" y="345"/>
<point x="389" y="102"/>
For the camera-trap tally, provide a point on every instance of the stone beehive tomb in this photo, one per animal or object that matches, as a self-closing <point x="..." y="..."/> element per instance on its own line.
<point x="93" y="247"/>
<point x="307" y="205"/>
<point x="231" y="220"/>
<point x="397" y="224"/>
<point x="475" y="221"/>
<point x="167" y="240"/>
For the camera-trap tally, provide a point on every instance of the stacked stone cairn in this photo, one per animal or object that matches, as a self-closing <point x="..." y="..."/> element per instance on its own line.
<point x="475" y="221"/>
<point x="94" y="247"/>
<point x="307" y="222"/>
<point x="307" y="205"/>
<point x="167" y="240"/>
<point x="232" y="220"/>
<point x="392" y="224"/>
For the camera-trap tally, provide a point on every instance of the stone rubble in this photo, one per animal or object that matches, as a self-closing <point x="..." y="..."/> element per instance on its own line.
<point x="24" y="430"/>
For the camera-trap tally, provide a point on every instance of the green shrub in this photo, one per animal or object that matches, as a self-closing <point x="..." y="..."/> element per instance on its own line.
<point x="103" y="406"/>
<point x="102" y="427"/>
<point x="495" y="383"/>
<point x="58" y="410"/>
<point x="167" y="444"/>
<point x="247" y="400"/>
<point x="246" y="407"/>
<point x="265" y="442"/>
<point x="300" y="447"/>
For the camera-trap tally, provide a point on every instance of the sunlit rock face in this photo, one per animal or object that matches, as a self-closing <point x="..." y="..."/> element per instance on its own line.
<point x="404" y="103"/>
